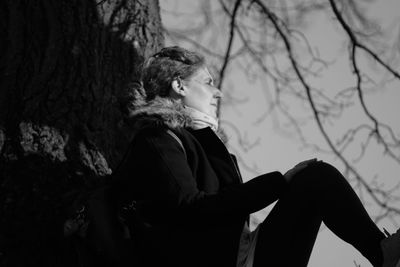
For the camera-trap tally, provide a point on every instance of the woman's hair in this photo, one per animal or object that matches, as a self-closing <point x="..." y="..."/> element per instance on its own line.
<point x="168" y="64"/>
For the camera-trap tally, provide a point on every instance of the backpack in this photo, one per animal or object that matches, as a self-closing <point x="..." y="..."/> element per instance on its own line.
<point x="105" y="232"/>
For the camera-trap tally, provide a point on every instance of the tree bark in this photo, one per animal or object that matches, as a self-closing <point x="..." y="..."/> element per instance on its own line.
<point x="67" y="69"/>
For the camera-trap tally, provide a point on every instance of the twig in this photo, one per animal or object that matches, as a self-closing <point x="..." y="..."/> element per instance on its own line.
<point x="230" y="41"/>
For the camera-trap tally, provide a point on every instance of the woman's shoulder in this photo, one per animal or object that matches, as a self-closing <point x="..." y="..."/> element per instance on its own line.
<point x="164" y="134"/>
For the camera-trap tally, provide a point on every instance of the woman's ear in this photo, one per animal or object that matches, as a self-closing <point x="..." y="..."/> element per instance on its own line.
<point x="178" y="87"/>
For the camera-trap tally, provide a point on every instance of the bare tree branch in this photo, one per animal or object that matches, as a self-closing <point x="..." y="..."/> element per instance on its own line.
<point x="272" y="17"/>
<point x="230" y="41"/>
<point x="356" y="69"/>
<point x="356" y="43"/>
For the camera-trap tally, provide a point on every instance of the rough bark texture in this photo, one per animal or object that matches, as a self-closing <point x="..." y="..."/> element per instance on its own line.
<point x="66" y="69"/>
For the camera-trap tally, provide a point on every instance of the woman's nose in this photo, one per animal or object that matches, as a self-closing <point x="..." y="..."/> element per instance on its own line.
<point x="218" y="93"/>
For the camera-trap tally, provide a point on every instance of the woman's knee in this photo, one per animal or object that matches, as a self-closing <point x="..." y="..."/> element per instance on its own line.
<point x="319" y="174"/>
<point x="323" y="167"/>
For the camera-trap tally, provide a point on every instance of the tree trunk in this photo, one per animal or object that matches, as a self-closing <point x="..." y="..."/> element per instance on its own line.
<point x="67" y="68"/>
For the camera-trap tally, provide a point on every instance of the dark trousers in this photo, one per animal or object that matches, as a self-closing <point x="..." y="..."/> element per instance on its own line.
<point x="317" y="194"/>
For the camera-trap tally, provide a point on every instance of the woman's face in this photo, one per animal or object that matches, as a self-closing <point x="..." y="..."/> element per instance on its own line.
<point x="201" y="93"/>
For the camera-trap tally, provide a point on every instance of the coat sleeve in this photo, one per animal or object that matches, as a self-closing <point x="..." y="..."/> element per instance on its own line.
<point x="175" y="194"/>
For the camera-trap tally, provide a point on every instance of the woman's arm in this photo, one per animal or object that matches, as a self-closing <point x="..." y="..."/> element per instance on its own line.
<point x="174" y="189"/>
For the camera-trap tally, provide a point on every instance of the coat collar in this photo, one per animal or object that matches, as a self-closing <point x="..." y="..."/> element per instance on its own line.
<point x="163" y="112"/>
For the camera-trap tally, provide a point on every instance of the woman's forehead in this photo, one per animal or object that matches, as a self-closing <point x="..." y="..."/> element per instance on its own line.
<point x="203" y="73"/>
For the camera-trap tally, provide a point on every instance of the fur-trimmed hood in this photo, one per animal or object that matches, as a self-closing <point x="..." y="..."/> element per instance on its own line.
<point x="162" y="112"/>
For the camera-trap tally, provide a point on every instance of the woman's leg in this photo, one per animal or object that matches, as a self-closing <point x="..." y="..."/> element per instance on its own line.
<point x="317" y="193"/>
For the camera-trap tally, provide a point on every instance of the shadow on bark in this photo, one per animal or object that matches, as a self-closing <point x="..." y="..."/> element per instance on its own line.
<point x="66" y="74"/>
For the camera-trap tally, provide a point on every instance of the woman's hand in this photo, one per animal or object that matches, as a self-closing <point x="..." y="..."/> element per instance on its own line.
<point x="299" y="167"/>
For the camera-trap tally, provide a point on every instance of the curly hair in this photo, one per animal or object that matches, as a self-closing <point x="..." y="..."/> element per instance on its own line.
<point x="166" y="65"/>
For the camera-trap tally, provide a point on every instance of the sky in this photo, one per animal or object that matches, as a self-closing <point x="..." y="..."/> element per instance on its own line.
<point x="270" y="142"/>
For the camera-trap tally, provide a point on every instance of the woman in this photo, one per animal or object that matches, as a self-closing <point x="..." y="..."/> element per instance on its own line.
<point x="191" y="198"/>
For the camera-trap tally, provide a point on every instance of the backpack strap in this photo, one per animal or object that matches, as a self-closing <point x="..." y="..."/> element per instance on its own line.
<point x="171" y="133"/>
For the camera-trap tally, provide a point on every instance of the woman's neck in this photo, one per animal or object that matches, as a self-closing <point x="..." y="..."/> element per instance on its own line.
<point x="201" y="119"/>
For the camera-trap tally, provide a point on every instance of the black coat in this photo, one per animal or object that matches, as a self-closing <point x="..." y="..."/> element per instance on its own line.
<point x="193" y="200"/>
